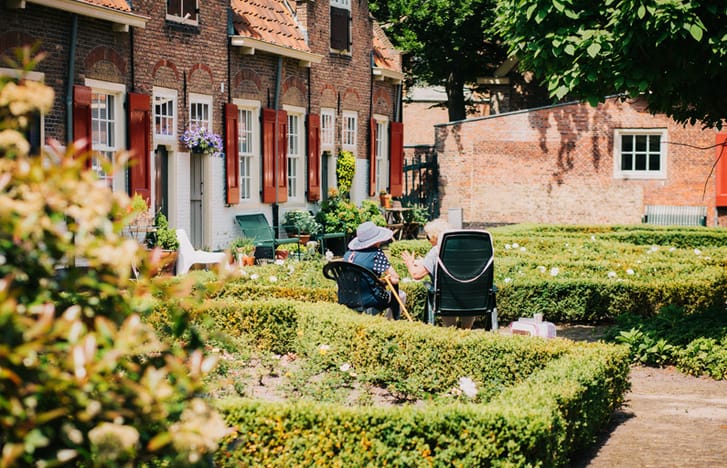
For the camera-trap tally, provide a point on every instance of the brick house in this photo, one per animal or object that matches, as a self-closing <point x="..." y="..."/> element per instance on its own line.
<point x="576" y="164"/>
<point x="286" y="85"/>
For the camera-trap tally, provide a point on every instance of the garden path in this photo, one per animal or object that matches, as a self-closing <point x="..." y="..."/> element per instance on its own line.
<point x="669" y="419"/>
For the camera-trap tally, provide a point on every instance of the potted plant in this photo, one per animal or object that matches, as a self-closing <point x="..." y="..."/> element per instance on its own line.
<point x="385" y="199"/>
<point x="142" y="218"/>
<point x="164" y="238"/>
<point x="414" y="219"/>
<point x="302" y="224"/>
<point x="244" y="250"/>
<point x="203" y="141"/>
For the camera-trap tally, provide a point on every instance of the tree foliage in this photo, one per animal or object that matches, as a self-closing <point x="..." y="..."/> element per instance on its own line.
<point x="446" y="42"/>
<point x="671" y="52"/>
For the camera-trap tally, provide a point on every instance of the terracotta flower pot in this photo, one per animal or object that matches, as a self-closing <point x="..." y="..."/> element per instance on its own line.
<point x="281" y="254"/>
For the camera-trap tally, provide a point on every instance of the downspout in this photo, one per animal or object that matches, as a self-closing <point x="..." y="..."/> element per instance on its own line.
<point x="371" y="153"/>
<point x="276" y="103"/>
<point x="69" y="82"/>
<point x="230" y="32"/>
<point x="307" y="140"/>
<point x="399" y="103"/>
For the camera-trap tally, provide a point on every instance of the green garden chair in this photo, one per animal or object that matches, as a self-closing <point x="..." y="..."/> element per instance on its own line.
<point x="463" y="280"/>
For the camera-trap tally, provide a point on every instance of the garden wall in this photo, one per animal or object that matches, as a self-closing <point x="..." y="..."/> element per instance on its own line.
<point x="556" y="165"/>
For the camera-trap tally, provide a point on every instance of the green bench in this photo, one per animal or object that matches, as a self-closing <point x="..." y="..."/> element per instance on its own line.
<point x="255" y="226"/>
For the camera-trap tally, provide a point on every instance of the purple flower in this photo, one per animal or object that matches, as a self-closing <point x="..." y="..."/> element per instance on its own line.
<point x="203" y="141"/>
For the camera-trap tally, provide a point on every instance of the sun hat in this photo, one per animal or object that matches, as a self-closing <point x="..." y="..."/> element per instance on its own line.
<point x="368" y="234"/>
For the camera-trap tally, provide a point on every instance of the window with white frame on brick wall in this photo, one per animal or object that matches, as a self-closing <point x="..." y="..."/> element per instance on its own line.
<point x="183" y="11"/>
<point x="341" y="25"/>
<point x="200" y="112"/>
<point x="249" y="150"/>
<point x="349" y="126"/>
<point x="165" y="116"/>
<point x="640" y="153"/>
<point x="328" y="129"/>
<point x="296" y="147"/>
<point x="107" y="129"/>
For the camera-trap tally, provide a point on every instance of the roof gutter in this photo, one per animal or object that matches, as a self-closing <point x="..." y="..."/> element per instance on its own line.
<point x="122" y="20"/>
<point x="385" y="73"/>
<point x="249" y="46"/>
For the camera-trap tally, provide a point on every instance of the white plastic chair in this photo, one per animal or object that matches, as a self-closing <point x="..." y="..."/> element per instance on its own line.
<point x="188" y="256"/>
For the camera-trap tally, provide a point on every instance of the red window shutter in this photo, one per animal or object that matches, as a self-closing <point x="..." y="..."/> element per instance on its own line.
<point x="721" y="172"/>
<point x="232" y="155"/>
<point x="282" y="156"/>
<point x="275" y="182"/>
<point x="82" y="120"/>
<point x="139" y="128"/>
<point x="314" y="157"/>
<point x="372" y="157"/>
<point x="396" y="159"/>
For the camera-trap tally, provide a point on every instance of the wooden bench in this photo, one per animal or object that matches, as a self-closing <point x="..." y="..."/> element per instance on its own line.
<point x="675" y="215"/>
<point x="255" y="226"/>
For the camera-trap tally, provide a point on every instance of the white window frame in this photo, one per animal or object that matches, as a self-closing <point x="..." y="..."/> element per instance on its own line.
<point x="190" y="18"/>
<point x="117" y="182"/>
<point x="296" y="152"/>
<point x="202" y="102"/>
<point x="170" y="135"/>
<point x="248" y="146"/>
<point x="619" y="173"/>
<point x="328" y="129"/>
<point x="382" y="152"/>
<point x="349" y="131"/>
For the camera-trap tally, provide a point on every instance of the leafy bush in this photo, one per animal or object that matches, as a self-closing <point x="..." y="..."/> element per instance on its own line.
<point x="82" y="380"/>
<point x="300" y="222"/>
<point x="345" y="170"/>
<point x="695" y="342"/>
<point x="338" y="214"/>
<point x="541" y="400"/>
<point x="164" y="237"/>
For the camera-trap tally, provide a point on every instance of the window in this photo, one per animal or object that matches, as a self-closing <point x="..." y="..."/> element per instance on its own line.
<point x="199" y="112"/>
<point x="341" y="25"/>
<point x="107" y="120"/>
<point x="328" y="125"/>
<point x="349" y="131"/>
<point x="165" y="115"/>
<point x="640" y="154"/>
<point x="248" y="115"/>
<point x="183" y="11"/>
<point x="382" y="160"/>
<point x="296" y="148"/>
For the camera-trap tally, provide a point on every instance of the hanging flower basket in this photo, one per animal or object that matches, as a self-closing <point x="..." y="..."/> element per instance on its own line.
<point x="203" y="141"/>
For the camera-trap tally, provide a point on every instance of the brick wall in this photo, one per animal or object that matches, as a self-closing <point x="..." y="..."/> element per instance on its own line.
<point x="100" y="52"/>
<point x="555" y="165"/>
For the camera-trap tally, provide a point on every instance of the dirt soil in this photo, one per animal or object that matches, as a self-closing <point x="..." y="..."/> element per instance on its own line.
<point x="669" y="419"/>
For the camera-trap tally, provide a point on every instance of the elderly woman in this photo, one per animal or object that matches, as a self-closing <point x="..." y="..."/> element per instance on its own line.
<point x="418" y="269"/>
<point x="365" y="250"/>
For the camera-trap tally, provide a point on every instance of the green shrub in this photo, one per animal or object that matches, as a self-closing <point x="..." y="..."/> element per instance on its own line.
<point x="541" y="400"/>
<point x="82" y="380"/>
<point x="345" y="170"/>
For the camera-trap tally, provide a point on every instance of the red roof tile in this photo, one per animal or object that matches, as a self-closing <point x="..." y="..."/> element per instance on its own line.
<point x="120" y="5"/>
<point x="270" y="21"/>
<point x="385" y="56"/>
